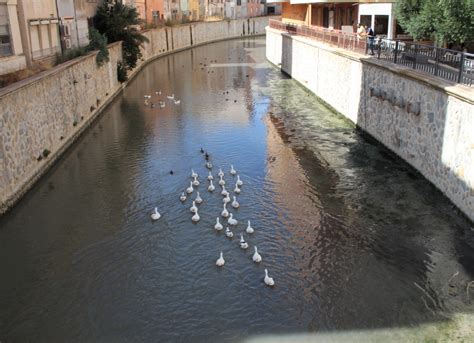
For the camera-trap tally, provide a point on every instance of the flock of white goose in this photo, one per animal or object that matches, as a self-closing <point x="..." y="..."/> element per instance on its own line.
<point x="161" y="103"/>
<point x="226" y="214"/>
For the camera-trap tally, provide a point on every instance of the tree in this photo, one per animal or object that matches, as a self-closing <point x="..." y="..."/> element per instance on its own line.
<point x="443" y="21"/>
<point x="119" y="23"/>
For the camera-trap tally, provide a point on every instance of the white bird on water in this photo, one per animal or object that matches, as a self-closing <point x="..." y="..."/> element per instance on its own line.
<point x="232" y="170"/>
<point x="147" y="96"/>
<point x="256" y="256"/>
<point x="226" y="199"/>
<point x="218" y="225"/>
<point x="193" y="208"/>
<point x="198" y="199"/>
<point x="243" y="243"/>
<point x="231" y="220"/>
<point x="208" y="165"/>
<point x="193" y="174"/>
<point x="196" y="182"/>
<point x="177" y="102"/>
<point x="196" y="217"/>
<point x="158" y="92"/>
<point x="211" y="187"/>
<point x="182" y="197"/>
<point x="171" y="97"/>
<point x="220" y="173"/>
<point x="228" y="233"/>
<point x="249" y="229"/>
<point x="220" y="261"/>
<point x="235" y="203"/>
<point x="155" y="215"/>
<point x="237" y="189"/>
<point x="221" y="182"/>
<point x="268" y="280"/>
<point x="190" y="189"/>
<point x="239" y="181"/>
<point x="224" y="192"/>
<point x="224" y="212"/>
<point x="210" y="177"/>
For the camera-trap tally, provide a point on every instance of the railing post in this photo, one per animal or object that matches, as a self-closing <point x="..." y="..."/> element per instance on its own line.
<point x="378" y="48"/>
<point x="461" y="67"/>
<point x="395" y="54"/>
<point x="416" y="56"/>
<point x="436" y="61"/>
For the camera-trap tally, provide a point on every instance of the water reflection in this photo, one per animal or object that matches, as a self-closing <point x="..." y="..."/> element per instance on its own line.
<point x="353" y="238"/>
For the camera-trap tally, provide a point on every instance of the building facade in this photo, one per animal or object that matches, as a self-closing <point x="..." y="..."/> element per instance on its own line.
<point x="12" y="57"/>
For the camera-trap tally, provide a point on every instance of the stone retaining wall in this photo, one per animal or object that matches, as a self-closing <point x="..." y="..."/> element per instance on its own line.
<point x="50" y="110"/>
<point x="426" y="121"/>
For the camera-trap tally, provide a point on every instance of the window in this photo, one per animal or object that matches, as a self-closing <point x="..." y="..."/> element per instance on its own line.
<point x="381" y="25"/>
<point x="5" y="43"/>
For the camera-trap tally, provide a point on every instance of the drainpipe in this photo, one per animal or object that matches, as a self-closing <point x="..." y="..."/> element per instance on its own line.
<point x="75" y="20"/>
<point x="59" y="31"/>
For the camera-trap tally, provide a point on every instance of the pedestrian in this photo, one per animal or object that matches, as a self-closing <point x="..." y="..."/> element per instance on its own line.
<point x="371" y="35"/>
<point x="360" y="30"/>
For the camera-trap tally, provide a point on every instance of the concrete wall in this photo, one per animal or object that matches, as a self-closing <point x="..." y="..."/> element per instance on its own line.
<point x="426" y="121"/>
<point x="50" y="110"/>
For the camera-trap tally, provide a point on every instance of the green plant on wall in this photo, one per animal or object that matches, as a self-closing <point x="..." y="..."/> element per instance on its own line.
<point x="121" y="72"/>
<point x="119" y="22"/>
<point x="98" y="41"/>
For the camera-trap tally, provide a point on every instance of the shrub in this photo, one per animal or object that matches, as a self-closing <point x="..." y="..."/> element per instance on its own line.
<point x="121" y="72"/>
<point x="98" y="42"/>
<point x="70" y="54"/>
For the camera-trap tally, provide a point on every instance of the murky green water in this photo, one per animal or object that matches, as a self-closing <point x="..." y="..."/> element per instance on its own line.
<point x="354" y="239"/>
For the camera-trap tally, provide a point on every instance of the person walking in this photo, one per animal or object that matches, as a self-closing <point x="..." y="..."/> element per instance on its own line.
<point x="371" y="36"/>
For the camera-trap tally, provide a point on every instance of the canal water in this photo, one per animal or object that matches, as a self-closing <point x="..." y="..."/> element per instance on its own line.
<point x="354" y="238"/>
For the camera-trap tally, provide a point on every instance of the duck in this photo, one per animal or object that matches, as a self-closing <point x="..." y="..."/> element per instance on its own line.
<point x="224" y="212"/>
<point x="155" y="215"/>
<point x="193" y="174"/>
<point x="220" y="173"/>
<point x="218" y="225"/>
<point x="249" y="229"/>
<point x="221" y="181"/>
<point x="257" y="258"/>
<point x="268" y="280"/>
<point x="239" y="181"/>
<point x="202" y="150"/>
<point x="206" y="156"/>
<point x="193" y="208"/>
<point x="171" y="97"/>
<point x="195" y="182"/>
<point x="243" y="243"/>
<point x="209" y="165"/>
<point x="182" y="197"/>
<point x="190" y="189"/>
<point x="232" y="170"/>
<point x="224" y="192"/>
<point x="232" y="220"/>
<point x="237" y="189"/>
<point x="226" y="199"/>
<point x="235" y="203"/>
<point x="228" y="233"/>
<point x="196" y="217"/>
<point x="177" y="102"/>
<point x="198" y="199"/>
<point x="211" y="187"/>
<point x="210" y="177"/>
<point x="220" y="261"/>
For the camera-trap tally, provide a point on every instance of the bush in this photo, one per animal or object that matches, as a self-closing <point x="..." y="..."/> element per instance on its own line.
<point x="98" y="42"/>
<point x="121" y="72"/>
<point x="70" y="54"/>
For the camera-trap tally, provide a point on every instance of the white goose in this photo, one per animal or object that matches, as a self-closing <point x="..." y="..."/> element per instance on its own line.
<point x="196" y="217"/>
<point x="162" y="105"/>
<point x="155" y="215"/>
<point x="224" y="192"/>
<point x="268" y="280"/>
<point x="193" y="208"/>
<point x="232" y="170"/>
<point x="228" y="233"/>
<point x="237" y="189"/>
<point x="147" y="96"/>
<point x="220" y="173"/>
<point x="210" y="177"/>
<point x="158" y="92"/>
<point x="224" y="212"/>
<point x="211" y="187"/>
<point x="190" y="189"/>
<point x="218" y="225"/>
<point x="182" y="197"/>
<point x="256" y="256"/>
<point x="235" y="203"/>
<point x="226" y="200"/>
<point x="243" y="243"/>
<point x="249" y="229"/>
<point x="221" y="182"/>
<point x="193" y="174"/>
<point x="220" y="261"/>
<point x="232" y="220"/>
<point x="177" y="102"/>
<point x="195" y="182"/>
<point x="171" y="97"/>
<point x="239" y="181"/>
<point x="198" y="199"/>
<point x="208" y="165"/>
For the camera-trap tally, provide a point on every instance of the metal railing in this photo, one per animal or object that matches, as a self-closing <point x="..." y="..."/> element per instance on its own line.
<point x="447" y="64"/>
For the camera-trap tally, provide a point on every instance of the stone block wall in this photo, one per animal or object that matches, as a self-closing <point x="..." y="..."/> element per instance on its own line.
<point x="426" y="121"/>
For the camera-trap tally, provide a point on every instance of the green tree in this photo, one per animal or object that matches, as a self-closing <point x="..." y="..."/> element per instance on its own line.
<point x="443" y="21"/>
<point x="98" y="41"/>
<point x="119" y="22"/>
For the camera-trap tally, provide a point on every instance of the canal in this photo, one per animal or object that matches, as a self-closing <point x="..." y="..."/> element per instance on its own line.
<point x="354" y="238"/>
